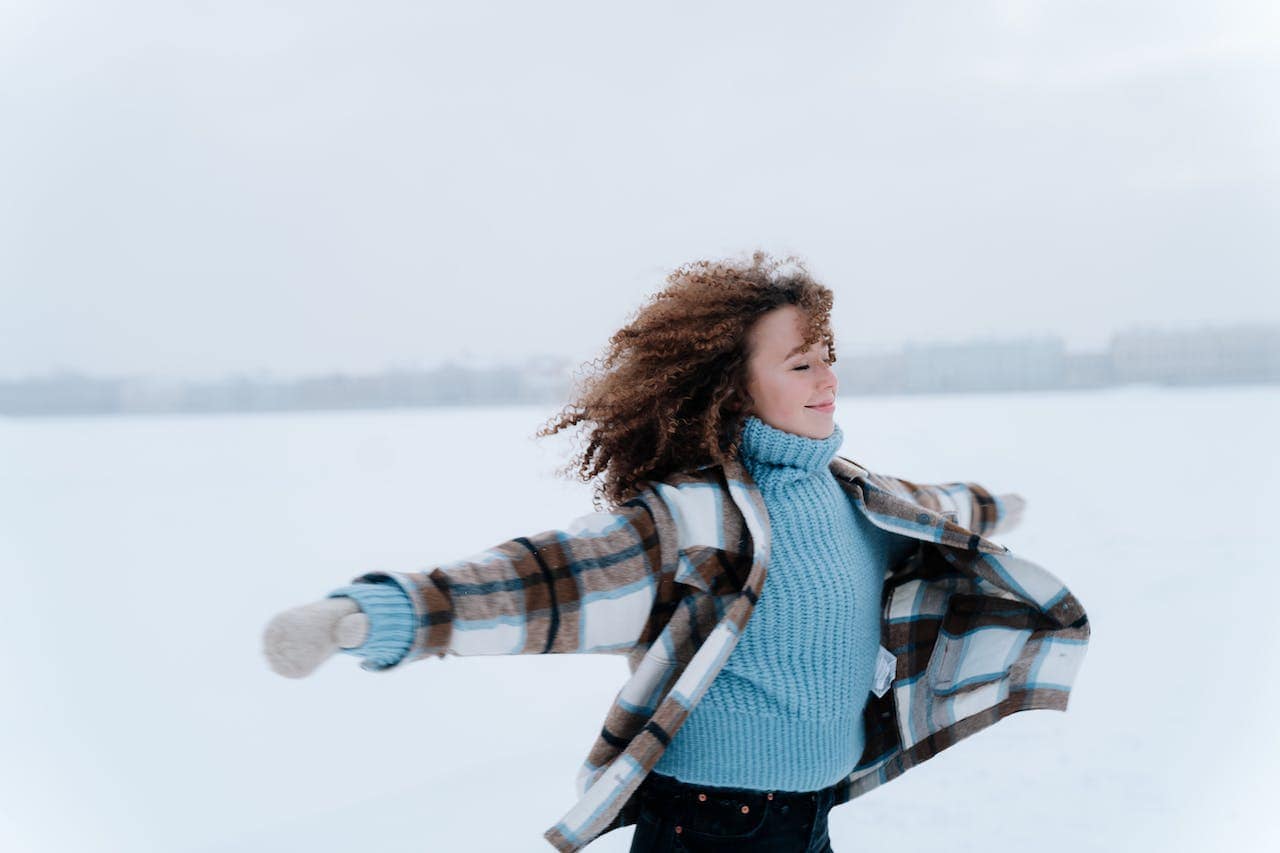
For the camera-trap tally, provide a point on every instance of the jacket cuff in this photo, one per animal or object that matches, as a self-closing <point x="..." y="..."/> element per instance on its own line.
<point x="391" y="623"/>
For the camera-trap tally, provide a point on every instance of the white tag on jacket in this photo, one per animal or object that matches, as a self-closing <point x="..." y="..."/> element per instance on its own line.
<point x="886" y="665"/>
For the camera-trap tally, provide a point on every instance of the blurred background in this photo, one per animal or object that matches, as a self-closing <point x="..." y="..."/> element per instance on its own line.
<point x="286" y="288"/>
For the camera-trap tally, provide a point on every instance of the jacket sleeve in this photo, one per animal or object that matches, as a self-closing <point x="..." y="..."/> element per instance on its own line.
<point x="589" y="587"/>
<point x="971" y="505"/>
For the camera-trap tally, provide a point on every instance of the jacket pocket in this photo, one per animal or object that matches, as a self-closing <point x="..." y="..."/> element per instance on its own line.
<point x="980" y="639"/>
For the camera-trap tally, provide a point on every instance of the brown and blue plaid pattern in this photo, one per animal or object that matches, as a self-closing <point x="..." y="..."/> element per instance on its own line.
<point x="670" y="580"/>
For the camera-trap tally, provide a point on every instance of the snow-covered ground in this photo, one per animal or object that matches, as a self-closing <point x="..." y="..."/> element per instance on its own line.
<point x="141" y="557"/>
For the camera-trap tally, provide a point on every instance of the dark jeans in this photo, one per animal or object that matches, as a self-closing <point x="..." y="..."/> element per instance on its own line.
<point x="680" y="818"/>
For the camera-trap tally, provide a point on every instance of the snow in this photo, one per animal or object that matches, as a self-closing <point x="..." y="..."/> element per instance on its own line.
<point x="144" y="555"/>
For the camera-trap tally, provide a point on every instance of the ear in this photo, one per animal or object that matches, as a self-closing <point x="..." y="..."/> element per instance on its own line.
<point x="739" y="402"/>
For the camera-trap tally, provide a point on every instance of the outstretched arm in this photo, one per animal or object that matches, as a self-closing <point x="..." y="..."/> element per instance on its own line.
<point x="974" y="507"/>
<point x="588" y="587"/>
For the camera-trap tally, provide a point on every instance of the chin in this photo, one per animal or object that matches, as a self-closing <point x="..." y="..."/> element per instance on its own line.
<point x="818" y="432"/>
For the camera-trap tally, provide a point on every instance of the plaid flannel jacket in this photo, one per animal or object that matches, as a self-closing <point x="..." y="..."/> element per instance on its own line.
<point x="670" y="580"/>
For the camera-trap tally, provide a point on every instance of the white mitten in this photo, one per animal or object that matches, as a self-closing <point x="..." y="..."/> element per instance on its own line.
<point x="1014" y="508"/>
<point x="298" y="640"/>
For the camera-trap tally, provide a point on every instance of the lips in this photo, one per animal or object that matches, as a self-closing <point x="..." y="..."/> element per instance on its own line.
<point x="824" y="407"/>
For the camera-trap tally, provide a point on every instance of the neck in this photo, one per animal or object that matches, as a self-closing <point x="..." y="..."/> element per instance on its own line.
<point x="765" y="448"/>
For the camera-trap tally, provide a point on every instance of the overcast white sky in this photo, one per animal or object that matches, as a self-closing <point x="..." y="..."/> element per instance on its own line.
<point x="192" y="189"/>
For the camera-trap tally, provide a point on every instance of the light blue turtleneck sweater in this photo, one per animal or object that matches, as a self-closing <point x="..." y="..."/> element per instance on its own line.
<point x="785" y="712"/>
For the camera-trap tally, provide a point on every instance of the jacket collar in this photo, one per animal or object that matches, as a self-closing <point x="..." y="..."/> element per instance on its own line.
<point x="847" y="469"/>
<point x="885" y="508"/>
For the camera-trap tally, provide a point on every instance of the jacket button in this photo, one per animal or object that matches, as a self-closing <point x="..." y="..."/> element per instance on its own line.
<point x="746" y="809"/>
<point x="923" y="518"/>
<point x="679" y="829"/>
<point x="702" y="798"/>
<point x="769" y="796"/>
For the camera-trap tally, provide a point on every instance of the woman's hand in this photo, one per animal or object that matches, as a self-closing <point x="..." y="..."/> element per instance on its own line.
<point x="298" y="640"/>
<point x="1014" y="507"/>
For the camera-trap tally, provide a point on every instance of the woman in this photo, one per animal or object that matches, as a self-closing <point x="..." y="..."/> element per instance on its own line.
<point x="713" y="449"/>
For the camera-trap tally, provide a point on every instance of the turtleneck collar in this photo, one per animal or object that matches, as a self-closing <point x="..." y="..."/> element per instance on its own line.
<point x="764" y="448"/>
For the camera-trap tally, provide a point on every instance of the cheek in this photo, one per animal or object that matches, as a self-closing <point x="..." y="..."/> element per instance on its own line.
<point x="805" y="379"/>
<point x="786" y="389"/>
<point x="795" y="387"/>
<point x="762" y="390"/>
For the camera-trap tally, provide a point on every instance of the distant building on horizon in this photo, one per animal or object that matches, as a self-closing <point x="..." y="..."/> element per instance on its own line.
<point x="1221" y="355"/>
<point x="1225" y="355"/>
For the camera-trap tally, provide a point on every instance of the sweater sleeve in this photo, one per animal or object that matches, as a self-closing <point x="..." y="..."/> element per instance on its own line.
<point x="391" y="622"/>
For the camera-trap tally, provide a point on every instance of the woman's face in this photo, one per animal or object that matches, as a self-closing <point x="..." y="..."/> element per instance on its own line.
<point x="786" y="380"/>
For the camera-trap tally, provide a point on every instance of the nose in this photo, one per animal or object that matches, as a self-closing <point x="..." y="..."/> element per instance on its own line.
<point x="827" y="378"/>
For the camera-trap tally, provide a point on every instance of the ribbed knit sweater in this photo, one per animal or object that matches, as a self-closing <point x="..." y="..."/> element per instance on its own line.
<point x="785" y="712"/>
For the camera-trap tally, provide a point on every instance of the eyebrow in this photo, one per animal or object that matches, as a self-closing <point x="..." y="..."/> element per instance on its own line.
<point x="799" y="349"/>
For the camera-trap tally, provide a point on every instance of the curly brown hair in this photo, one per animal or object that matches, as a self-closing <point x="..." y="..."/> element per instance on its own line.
<point x="670" y="394"/>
